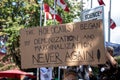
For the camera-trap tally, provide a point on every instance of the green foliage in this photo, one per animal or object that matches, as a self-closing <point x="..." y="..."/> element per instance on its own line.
<point x="1" y="65"/>
<point x="118" y="59"/>
<point x="17" y="14"/>
<point x="14" y="16"/>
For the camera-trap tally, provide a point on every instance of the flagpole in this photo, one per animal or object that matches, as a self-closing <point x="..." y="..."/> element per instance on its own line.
<point x="81" y="10"/>
<point x="54" y="10"/>
<point x="41" y="5"/>
<point x="45" y="19"/>
<point x="41" y="12"/>
<point x="109" y="17"/>
<point x="55" y="24"/>
<point x="82" y="4"/>
<point x="91" y="4"/>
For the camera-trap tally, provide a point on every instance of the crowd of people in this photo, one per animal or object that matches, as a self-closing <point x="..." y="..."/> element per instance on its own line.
<point x="108" y="71"/>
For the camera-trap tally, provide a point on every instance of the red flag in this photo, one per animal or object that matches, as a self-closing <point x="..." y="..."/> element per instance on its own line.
<point x="112" y="24"/>
<point x="50" y="13"/>
<point x="101" y="2"/>
<point x="46" y="7"/>
<point x="63" y="5"/>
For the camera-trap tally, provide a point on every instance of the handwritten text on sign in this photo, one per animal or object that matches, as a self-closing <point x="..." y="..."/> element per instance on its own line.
<point x="61" y="45"/>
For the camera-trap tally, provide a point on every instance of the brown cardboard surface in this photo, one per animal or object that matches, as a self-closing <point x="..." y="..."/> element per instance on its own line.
<point x="63" y="45"/>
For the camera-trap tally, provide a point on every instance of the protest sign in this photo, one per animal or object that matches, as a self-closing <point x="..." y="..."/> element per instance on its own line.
<point x="63" y="45"/>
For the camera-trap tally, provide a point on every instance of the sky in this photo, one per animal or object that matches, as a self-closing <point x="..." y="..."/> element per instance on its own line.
<point x="115" y="15"/>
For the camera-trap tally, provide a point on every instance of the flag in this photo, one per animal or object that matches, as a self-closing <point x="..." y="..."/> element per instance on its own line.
<point x="112" y="24"/>
<point x="63" y="5"/>
<point x="101" y="2"/>
<point x="50" y="13"/>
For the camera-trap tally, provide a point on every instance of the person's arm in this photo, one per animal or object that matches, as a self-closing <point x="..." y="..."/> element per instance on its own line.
<point x="111" y="59"/>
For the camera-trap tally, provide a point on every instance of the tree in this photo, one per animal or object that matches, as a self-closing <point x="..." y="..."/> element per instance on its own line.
<point x="14" y="16"/>
<point x="17" y="14"/>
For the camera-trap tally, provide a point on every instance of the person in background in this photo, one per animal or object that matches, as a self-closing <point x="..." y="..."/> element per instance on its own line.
<point x="108" y="71"/>
<point x="70" y="74"/>
<point x="85" y="72"/>
<point x="110" y="57"/>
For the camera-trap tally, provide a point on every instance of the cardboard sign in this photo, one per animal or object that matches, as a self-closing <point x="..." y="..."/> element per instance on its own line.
<point x="63" y="45"/>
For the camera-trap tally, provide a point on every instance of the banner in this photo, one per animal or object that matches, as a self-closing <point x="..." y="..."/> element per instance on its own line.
<point x="93" y="14"/>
